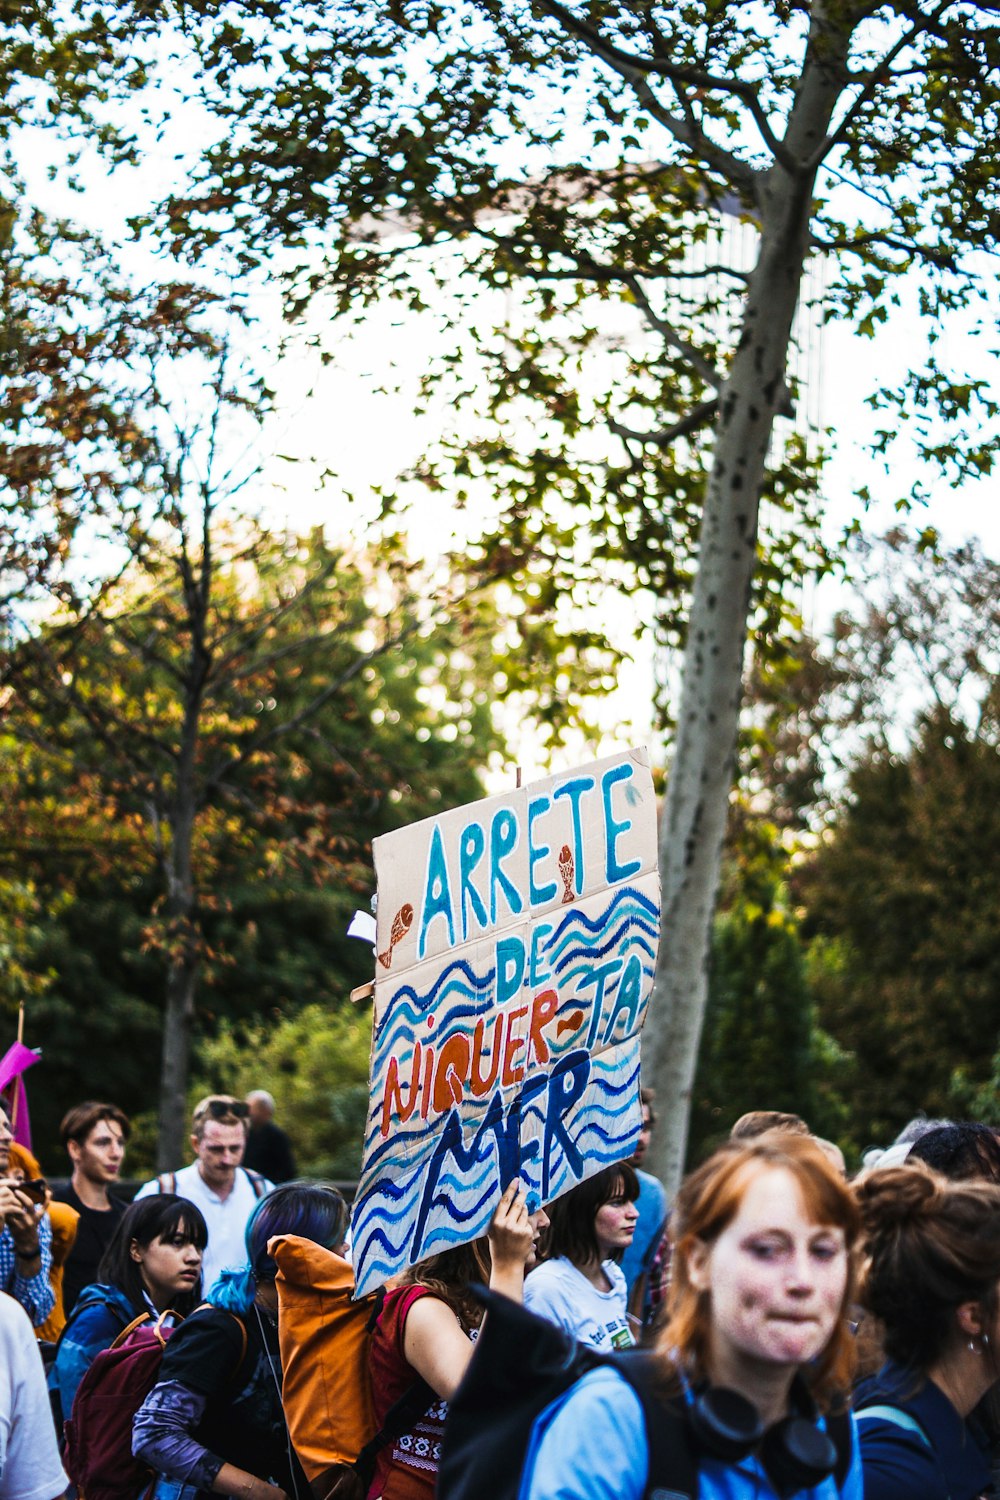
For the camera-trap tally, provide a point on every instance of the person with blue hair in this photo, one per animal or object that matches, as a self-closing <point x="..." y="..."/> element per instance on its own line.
<point x="213" y="1423"/>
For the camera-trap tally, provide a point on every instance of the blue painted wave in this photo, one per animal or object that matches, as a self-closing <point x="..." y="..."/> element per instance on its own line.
<point x="647" y="914"/>
<point x="606" y="1072"/>
<point x="409" y="1007"/>
<point x="386" y="1207"/>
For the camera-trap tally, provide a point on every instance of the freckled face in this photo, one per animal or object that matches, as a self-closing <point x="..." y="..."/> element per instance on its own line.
<point x="614" y="1225"/>
<point x="776" y="1279"/>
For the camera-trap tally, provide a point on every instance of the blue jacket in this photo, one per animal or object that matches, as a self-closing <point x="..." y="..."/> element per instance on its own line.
<point x="98" y="1317"/>
<point x="591" y="1445"/>
<point x="652" y="1206"/>
<point x="931" y="1455"/>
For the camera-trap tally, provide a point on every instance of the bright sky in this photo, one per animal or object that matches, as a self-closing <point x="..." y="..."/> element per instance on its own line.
<point x="346" y="416"/>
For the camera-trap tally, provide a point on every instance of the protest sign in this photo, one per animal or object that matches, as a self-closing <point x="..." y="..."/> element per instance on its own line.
<point x="515" y="946"/>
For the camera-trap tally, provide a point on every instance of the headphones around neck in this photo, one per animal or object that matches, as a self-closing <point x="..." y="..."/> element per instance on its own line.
<point x="795" y="1453"/>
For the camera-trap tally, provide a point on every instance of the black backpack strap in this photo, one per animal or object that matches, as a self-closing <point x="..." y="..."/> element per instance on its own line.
<point x="673" y="1460"/>
<point x="673" y="1465"/>
<point x="839" y="1430"/>
<point x="378" y="1302"/>
<point x="400" y="1418"/>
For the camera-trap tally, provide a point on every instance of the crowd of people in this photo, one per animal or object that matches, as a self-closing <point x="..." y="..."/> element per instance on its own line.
<point x="778" y="1330"/>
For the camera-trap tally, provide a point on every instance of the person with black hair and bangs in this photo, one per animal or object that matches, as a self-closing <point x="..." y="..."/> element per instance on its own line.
<point x="580" y="1285"/>
<point x="152" y="1264"/>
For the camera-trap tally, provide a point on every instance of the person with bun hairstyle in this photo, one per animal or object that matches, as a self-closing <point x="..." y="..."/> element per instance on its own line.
<point x="931" y="1279"/>
<point x="756" y="1357"/>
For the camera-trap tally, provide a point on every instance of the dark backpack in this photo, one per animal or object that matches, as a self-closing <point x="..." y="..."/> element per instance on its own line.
<point x="98" y="1454"/>
<point x="520" y="1365"/>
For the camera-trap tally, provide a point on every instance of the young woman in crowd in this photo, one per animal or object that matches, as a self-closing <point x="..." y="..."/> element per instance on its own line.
<point x="425" y="1331"/>
<point x="152" y="1264"/>
<point x="932" y="1274"/>
<point x="213" y="1424"/>
<point x="580" y="1285"/>
<point x="761" y="1279"/>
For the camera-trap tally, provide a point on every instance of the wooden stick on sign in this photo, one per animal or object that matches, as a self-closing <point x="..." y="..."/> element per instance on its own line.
<point x="16" y="1095"/>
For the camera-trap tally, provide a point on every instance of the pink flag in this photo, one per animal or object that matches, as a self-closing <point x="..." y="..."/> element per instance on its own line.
<point x="17" y="1060"/>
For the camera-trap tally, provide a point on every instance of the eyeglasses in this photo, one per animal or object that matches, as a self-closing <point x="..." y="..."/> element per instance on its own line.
<point x="221" y="1109"/>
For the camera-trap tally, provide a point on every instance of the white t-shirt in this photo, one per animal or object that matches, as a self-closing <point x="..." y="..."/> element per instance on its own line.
<point x="29" y="1456"/>
<point x="226" y="1217"/>
<point x="558" y="1291"/>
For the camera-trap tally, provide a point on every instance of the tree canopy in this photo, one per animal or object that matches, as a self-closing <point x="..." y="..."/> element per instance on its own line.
<point x="577" y="152"/>
<point x="587" y="156"/>
<point x="227" y="852"/>
<point x="900" y="905"/>
<point x="898" y="893"/>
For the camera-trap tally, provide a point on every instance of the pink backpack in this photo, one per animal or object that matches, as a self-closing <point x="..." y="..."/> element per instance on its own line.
<point x="98" y="1455"/>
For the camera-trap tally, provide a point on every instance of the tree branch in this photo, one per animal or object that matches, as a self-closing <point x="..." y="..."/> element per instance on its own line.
<point x="664" y="436"/>
<point x="702" y="367"/>
<point x="872" y="78"/>
<point x="634" y="73"/>
<point x="856" y="244"/>
<point x="216" y="776"/>
<point x="628" y="64"/>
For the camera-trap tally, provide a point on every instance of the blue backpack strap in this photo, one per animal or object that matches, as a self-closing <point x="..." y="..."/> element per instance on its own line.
<point x="90" y="1295"/>
<point x="897" y="1417"/>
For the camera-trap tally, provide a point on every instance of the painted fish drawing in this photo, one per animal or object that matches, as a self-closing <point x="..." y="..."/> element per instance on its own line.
<point x="572" y="1022"/>
<point x="401" y="924"/>
<point x="566" y="871"/>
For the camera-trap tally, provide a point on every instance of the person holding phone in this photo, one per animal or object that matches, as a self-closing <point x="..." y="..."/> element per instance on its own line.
<point x="25" y="1239"/>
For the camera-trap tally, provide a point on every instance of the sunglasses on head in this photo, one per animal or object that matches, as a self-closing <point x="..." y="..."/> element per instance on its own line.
<point x="220" y="1109"/>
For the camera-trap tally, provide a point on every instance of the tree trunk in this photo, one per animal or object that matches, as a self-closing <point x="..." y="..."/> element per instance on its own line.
<point x="702" y="773"/>
<point x="178" y="1016"/>
<point x="183" y="949"/>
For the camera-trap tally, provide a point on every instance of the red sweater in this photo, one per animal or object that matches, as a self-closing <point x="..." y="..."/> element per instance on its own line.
<point x="407" y="1467"/>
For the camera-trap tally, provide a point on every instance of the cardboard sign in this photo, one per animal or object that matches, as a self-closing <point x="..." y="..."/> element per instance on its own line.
<point x="515" y="945"/>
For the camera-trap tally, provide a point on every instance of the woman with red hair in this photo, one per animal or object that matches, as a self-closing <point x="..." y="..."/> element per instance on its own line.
<point x="757" y="1354"/>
